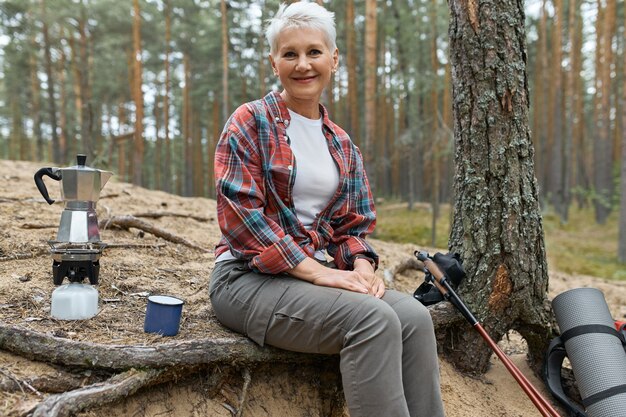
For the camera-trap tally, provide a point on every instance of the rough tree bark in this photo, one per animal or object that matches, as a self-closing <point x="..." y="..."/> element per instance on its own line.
<point x="370" y="86"/>
<point x="497" y="225"/>
<point x="621" y="255"/>
<point x="138" y="145"/>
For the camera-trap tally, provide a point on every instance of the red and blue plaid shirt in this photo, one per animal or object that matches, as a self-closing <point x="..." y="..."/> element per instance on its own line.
<point x="255" y="171"/>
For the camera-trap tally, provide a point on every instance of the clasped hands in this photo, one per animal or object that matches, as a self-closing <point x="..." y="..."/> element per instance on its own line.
<point x="361" y="279"/>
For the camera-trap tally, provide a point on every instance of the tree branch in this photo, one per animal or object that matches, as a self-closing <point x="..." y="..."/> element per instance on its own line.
<point x="128" y="221"/>
<point x="158" y="215"/>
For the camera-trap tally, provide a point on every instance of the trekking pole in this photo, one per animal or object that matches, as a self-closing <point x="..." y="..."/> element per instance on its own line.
<point x="441" y="282"/>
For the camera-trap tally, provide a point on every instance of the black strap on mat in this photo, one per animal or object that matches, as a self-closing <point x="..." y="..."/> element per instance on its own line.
<point x="552" y="376"/>
<point x="554" y="363"/>
<point x="592" y="328"/>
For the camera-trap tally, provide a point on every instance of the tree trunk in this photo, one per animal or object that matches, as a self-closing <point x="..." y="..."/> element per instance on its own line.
<point x="158" y="147"/>
<point x="62" y="104"/>
<point x="138" y="145"/>
<point x="167" y="168"/>
<point x="187" y="133"/>
<point x="602" y="144"/>
<point x="497" y="225"/>
<point x="435" y="138"/>
<point x="56" y="148"/>
<point x="351" y="54"/>
<point x="225" y="96"/>
<point x="84" y="86"/>
<point x="78" y="96"/>
<point x="370" y="86"/>
<point x="621" y="255"/>
<point x="35" y="109"/>
<point x="540" y="128"/>
<point x="570" y="97"/>
<point x="580" y="165"/>
<point x="555" y="184"/>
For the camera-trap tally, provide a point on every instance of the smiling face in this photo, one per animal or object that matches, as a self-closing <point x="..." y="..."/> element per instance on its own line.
<point x="304" y="64"/>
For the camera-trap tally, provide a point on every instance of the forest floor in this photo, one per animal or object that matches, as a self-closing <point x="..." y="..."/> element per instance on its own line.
<point x="138" y="263"/>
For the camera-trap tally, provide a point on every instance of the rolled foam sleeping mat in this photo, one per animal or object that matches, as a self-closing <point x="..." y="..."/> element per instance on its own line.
<point x="596" y="354"/>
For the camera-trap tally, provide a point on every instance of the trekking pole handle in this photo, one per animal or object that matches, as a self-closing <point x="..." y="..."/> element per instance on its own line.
<point x="442" y="283"/>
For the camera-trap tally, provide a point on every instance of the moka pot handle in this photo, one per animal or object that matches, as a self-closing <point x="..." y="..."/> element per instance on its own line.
<point x="41" y="186"/>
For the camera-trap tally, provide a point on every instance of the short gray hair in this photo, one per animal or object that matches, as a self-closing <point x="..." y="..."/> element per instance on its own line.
<point x="301" y="14"/>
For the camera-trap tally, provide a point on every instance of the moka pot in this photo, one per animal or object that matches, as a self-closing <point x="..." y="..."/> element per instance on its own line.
<point x="77" y="249"/>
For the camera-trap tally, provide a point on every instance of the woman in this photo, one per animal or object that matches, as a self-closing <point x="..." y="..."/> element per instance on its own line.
<point x="291" y="185"/>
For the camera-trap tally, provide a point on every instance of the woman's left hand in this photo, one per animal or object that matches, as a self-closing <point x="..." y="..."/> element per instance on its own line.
<point x="366" y="270"/>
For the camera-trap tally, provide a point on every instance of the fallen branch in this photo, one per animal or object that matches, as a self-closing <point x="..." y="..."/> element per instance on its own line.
<point x="111" y="390"/>
<point x="158" y="215"/>
<point x="128" y="221"/>
<point x="38" y="226"/>
<point x="134" y="245"/>
<point x="18" y="256"/>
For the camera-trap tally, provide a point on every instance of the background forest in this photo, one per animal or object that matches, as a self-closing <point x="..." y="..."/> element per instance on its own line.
<point x="145" y="86"/>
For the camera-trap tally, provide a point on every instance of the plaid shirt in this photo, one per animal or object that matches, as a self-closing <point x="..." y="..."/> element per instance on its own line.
<point x="255" y="171"/>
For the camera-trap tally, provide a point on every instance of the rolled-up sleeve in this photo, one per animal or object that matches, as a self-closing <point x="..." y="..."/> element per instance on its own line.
<point x="241" y="201"/>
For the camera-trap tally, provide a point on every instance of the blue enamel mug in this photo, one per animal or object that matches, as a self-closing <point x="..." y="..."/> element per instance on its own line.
<point x="163" y="315"/>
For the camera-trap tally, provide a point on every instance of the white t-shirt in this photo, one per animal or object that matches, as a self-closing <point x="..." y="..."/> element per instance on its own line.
<point x="317" y="175"/>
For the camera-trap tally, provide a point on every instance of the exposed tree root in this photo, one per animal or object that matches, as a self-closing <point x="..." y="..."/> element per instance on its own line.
<point x="127" y="221"/>
<point x="111" y="390"/>
<point x="47" y="348"/>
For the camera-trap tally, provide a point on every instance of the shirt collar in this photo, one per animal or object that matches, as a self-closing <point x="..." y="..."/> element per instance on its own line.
<point x="284" y="116"/>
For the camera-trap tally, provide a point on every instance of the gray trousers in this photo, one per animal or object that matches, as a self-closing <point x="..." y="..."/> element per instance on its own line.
<point x="387" y="348"/>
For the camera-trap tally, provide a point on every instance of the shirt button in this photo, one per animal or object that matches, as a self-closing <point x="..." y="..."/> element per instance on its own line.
<point x="286" y="123"/>
<point x="290" y="167"/>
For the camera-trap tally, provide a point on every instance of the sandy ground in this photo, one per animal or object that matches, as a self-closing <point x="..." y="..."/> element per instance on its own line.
<point x="139" y="263"/>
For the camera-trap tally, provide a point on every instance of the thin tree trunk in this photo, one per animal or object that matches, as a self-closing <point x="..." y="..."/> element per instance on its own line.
<point x="138" y="144"/>
<point x="351" y="54"/>
<point x="621" y="253"/>
<point x="435" y="135"/>
<point x="580" y="154"/>
<point x="158" y="154"/>
<point x="50" y="83"/>
<point x="603" y="159"/>
<point x="570" y="103"/>
<point x="262" y="62"/>
<point x="497" y="223"/>
<point x="370" y="86"/>
<point x="541" y="128"/>
<point x="121" y="145"/>
<point x="225" y="95"/>
<point x="78" y="96"/>
<point x="17" y="129"/>
<point x="167" y="169"/>
<point x="197" y="156"/>
<point x="62" y="104"/>
<point x="35" y="89"/>
<point x="187" y="134"/>
<point x="555" y="185"/>
<point x="86" y="116"/>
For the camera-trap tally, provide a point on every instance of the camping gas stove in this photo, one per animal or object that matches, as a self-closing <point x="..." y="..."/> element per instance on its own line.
<point x="76" y="261"/>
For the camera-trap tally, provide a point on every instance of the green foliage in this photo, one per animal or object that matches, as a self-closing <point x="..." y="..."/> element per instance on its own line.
<point x="580" y="247"/>
<point x="398" y="224"/>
